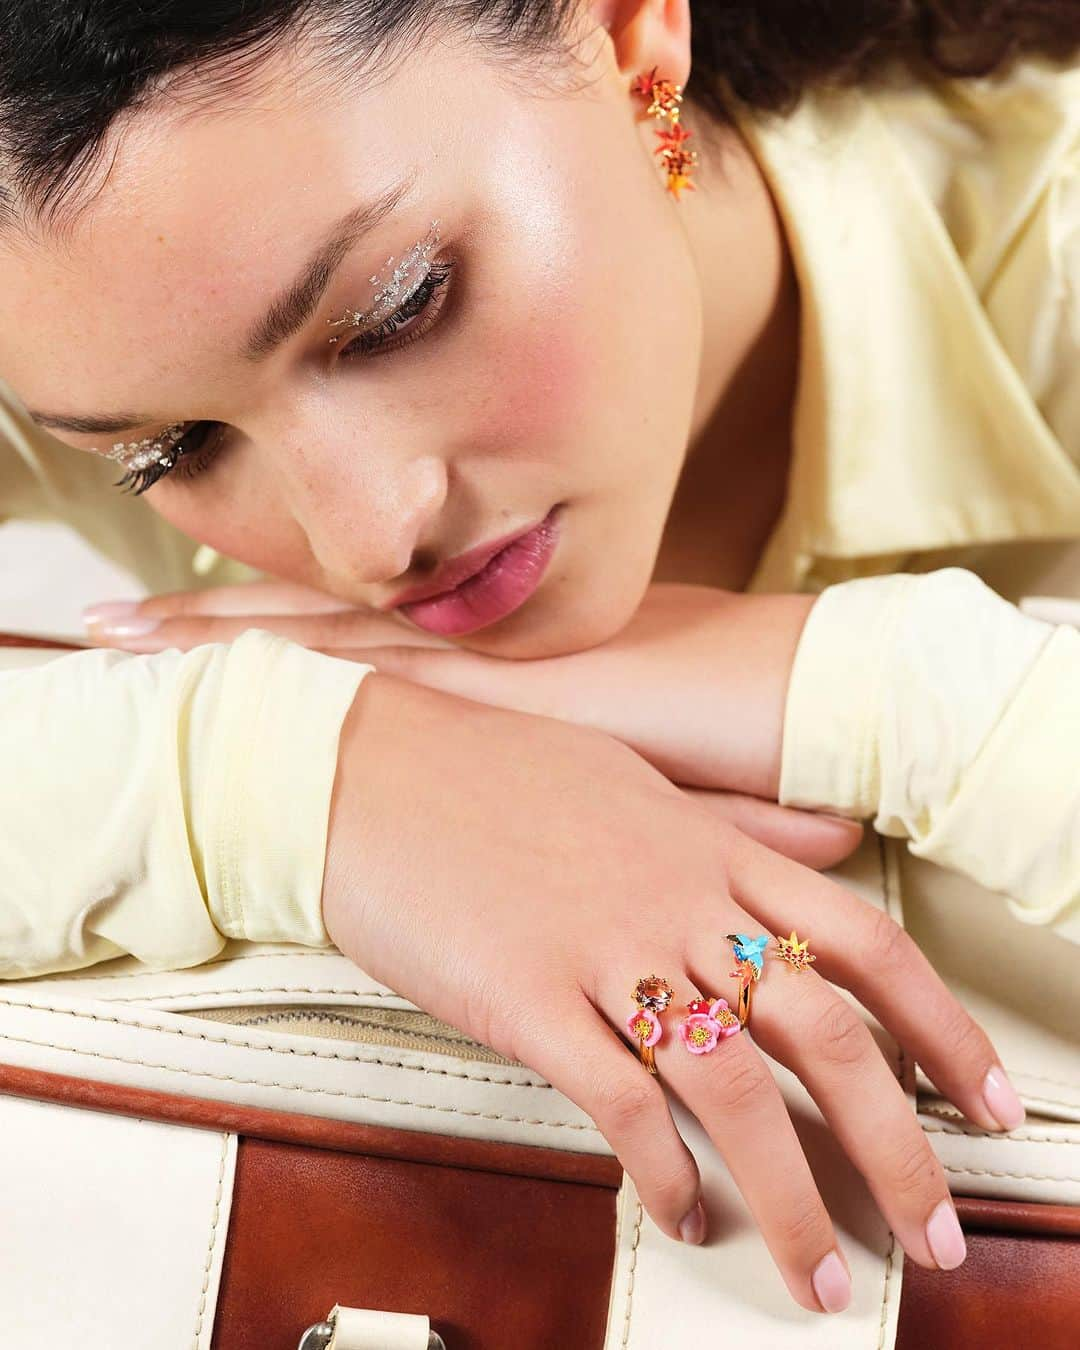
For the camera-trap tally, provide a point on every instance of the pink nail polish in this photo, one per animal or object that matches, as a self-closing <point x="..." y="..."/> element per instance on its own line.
<point x="945" y="1237"/>
<point x="692" y="1227"/>
<point x="101" y="614"/>
<point x="1001" y="1099"/>
<point x="129" y="628"/>
<point x="832" y="1284"/>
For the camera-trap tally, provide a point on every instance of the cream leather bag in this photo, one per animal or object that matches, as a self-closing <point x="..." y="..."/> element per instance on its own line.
<point x="185" y="1151"/>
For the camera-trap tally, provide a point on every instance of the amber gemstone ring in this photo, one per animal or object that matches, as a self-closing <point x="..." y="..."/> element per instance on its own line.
<point x="651" y="996"/>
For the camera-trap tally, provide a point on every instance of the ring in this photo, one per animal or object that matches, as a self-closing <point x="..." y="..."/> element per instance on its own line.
<point x="749" y="953"/>
<point x="651" y="995"/>
<point x="794" y="952"/>
<point x="709" y="1022"/>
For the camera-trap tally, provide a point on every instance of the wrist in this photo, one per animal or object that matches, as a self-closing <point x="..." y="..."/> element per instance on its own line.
<point x="765" y="636"/>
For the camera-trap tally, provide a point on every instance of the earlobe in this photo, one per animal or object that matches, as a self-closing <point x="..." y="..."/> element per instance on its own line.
<point x="648" y="33"/>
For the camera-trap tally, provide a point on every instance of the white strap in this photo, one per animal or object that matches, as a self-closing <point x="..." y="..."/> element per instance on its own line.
<point x="1051" y="608"/>
<point x="359" y="1329"/>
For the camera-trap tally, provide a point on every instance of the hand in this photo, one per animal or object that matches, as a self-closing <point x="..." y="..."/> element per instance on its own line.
<point x="515" y="875"/>
<point x="695" y="683"/>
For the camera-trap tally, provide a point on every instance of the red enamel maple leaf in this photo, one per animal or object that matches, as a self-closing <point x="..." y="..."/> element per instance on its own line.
<point x="644" y="83"/>
<point x="674" y="137"/>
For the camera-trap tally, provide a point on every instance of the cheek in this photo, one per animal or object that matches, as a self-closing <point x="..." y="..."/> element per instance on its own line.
<point x="535" y="393"/>
<point x="238" y="523"/>
<point x="539" y="397"/>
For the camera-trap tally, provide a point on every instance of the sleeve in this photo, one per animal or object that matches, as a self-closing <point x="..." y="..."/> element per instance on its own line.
<point x="932" y="705"/>
<point x="157" y="805"/>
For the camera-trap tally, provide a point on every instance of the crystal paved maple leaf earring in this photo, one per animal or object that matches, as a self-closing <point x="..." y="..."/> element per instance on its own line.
<point x="665" y="100"/>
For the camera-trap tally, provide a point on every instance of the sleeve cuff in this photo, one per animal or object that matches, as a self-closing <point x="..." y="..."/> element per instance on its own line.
<point x="261" y="787"/>
<point x="1012" y="823"/>
<point x="829" y="758"/>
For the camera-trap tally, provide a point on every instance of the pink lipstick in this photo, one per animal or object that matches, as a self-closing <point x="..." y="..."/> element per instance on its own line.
<point x="493" y="581"/>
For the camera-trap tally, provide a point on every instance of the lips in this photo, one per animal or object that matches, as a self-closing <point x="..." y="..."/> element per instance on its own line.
<point x="484" y="585"/>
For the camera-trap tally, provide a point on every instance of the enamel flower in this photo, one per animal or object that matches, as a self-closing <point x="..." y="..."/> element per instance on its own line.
<point x="707" y="1024"/>
<point x="644" y="1025"/>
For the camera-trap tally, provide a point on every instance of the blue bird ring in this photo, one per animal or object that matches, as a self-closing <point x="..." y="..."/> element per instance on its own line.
<point x="749" y="958"/>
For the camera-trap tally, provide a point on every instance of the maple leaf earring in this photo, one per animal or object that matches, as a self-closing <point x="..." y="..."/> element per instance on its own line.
<point x="665" y="101"/>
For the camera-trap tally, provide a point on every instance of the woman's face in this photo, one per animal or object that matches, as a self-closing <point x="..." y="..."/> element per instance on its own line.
<point x="551" y="377"/>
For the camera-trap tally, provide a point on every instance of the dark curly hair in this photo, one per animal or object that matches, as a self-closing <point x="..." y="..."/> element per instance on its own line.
<point x="765" y="53"/>
<point x="70" y="68"/>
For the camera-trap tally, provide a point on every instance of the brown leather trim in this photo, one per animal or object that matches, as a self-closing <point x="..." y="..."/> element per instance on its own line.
<point x="1013" y="1289"/>
<point x="497" y="1262"/>
<point x="296" y="1127"/>
<point x="1017" y="1216"/>
<point x="14" y="640"/>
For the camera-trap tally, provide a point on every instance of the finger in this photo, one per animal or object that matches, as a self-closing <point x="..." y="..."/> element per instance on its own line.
<point x="256" y="597"/>
<point x="604" y="1076"/>
<point x="799" y="1020"/>
<point x="330" y="632"/>
<point x="807" y="837"/>
<point x="863" y="949"/>
<point x="733" y="1094"/>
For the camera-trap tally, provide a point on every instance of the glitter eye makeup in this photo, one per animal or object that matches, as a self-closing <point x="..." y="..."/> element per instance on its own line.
<point x="405" y="291"/>
<point x="136" y="456"/>
<point x="148" y="460"/>
<point x="396" y="289"/>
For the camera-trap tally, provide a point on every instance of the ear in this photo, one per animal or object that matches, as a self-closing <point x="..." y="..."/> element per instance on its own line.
<point x="648" y="33"/>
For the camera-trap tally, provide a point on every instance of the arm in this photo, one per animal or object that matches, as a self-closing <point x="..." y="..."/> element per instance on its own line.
<point x="156" y="805"/>
<point x="925" y="702"/>
<point x="934" y="706"/>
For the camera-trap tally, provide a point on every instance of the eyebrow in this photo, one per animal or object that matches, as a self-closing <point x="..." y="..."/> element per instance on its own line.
<point x="287" y="314"/>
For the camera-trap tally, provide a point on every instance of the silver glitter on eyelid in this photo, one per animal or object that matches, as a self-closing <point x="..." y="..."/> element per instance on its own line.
<point x="151" y="451"/>
<point x="402" y="283"/>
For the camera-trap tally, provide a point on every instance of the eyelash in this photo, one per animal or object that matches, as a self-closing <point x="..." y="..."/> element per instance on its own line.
<point x="190" y="461"/>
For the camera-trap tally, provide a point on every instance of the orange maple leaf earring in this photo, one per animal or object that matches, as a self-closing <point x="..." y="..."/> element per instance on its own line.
<point x="665" y="101"/>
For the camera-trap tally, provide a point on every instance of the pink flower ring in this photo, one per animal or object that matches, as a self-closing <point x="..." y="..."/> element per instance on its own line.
<point x="644" y="1025"/>
<point x="702" y="1030"/>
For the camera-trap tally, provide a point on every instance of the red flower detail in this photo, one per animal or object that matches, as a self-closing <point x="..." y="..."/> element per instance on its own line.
<point x="644" y="83"/>
<point x="674" y="137"/>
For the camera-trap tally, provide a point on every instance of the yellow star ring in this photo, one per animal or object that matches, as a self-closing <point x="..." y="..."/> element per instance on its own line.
<point x="794" y="952"/>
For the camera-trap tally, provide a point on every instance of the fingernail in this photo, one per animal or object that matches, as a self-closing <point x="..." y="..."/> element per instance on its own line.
<point x="832" y="1283"/>
<point x="128" y="628"/>
<point x="108" y="610"/>
<point x="1001" y="1099"/>
<point x="692" y="1228"/>
<point x="945" y="1236"/>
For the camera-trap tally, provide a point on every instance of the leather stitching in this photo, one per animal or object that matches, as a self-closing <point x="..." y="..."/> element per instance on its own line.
<point x="630" y="1274"/>
<point x="310" y="1091"/>
<point x="299" y="1051"/>
<point x="1011" y="1138"/>
<point x="883" y="1322"/>
<point x="210" y="1249"/>
<point x="1020" y="1176"/>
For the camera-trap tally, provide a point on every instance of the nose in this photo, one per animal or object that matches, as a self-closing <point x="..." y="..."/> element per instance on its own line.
<point x="369" y="512"/>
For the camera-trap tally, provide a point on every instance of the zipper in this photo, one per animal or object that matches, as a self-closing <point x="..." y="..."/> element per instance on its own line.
<point x="400" y="1028"/>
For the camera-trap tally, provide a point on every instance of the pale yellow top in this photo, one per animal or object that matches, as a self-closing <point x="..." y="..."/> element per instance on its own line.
<point x="159" y="804"/>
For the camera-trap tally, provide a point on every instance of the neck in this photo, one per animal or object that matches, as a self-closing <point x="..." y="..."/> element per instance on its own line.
<point x="734" y="479"/>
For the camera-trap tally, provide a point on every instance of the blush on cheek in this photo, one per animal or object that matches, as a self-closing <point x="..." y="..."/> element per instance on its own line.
<point x="538" y="387"/>
<point x="261" y="539"/>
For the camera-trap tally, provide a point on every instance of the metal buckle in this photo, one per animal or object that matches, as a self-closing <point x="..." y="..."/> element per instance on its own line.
<point x="319" y="1336"/>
